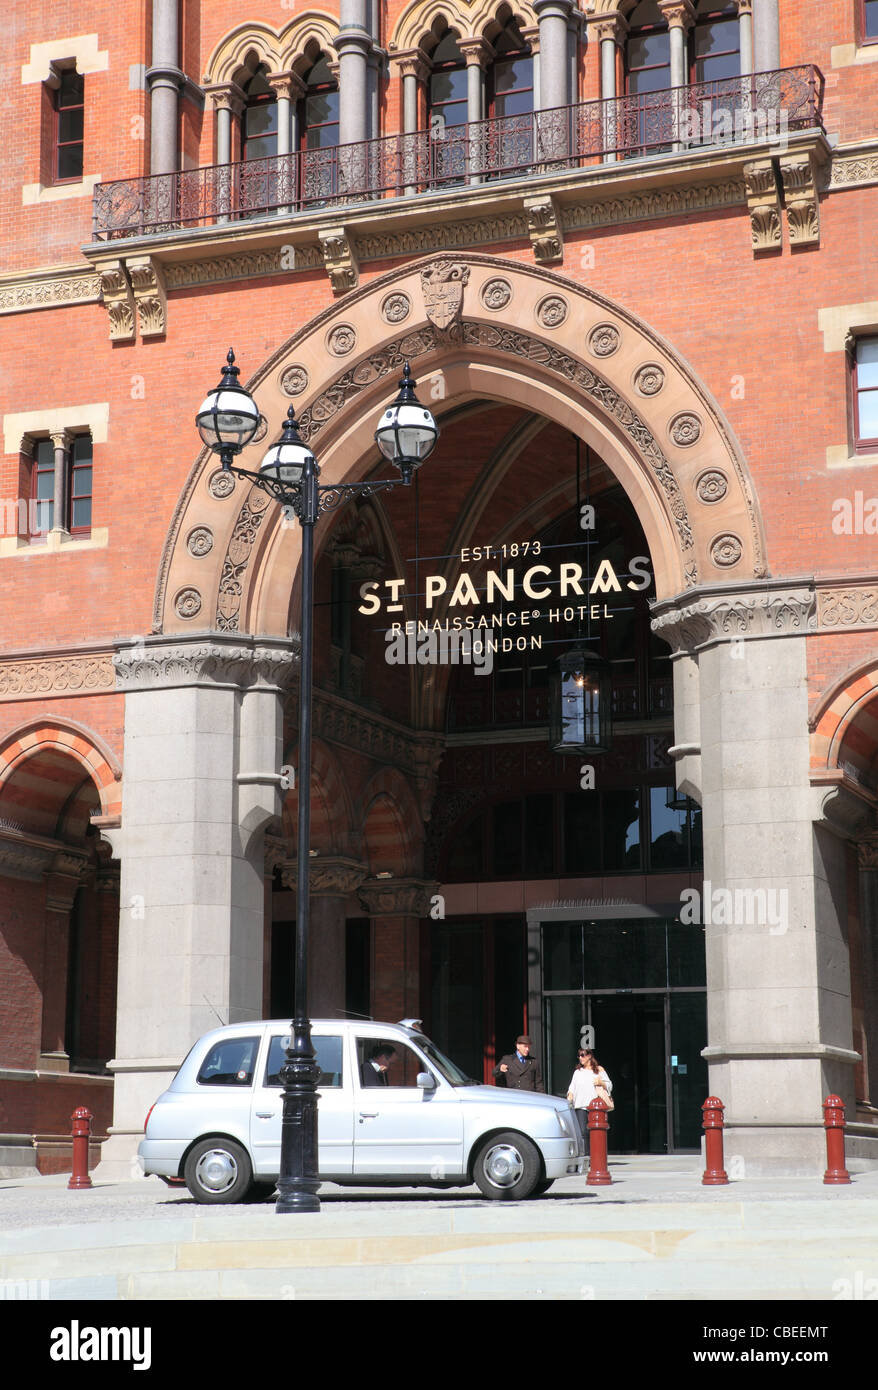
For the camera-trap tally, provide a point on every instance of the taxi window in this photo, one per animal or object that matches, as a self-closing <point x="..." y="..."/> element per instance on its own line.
<point x="229" y="1063"/>
<point x="328" y="1052"/>
<point x="383" y="1062"/>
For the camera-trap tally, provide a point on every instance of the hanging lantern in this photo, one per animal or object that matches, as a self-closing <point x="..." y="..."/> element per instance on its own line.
<point x="581" y="701"/>
<point x="676" y="801"/>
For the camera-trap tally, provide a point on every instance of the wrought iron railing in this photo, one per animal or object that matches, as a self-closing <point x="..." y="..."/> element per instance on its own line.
<point x="760" y="106"/>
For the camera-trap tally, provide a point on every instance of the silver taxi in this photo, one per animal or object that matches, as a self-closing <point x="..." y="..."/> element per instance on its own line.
<point x="392" y="1110"/>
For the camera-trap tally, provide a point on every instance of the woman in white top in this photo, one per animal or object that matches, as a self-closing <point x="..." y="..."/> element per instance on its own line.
<point x="583" y="1087"/>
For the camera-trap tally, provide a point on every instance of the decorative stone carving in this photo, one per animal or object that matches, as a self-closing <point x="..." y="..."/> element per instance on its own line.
<point x="294" y="381"/>
<point x="711" y="486"/>
<point x="341" y="340"/>
<point x="640" y="207"/>
<point x="867" y="853"/>
<point x="246" y="265"/>
<point x="237" y="559"/>
<point x="200" y="541"/>
<point x="800" y="198"/>
<point x="544" y="230"/>
<point x="148" y="285"/>
<point x="118" y="300"/>
<point x="339" y="259"/>
<point x="495" y="294"/>
<point x="604" y="340"/>
<point x="442" y="285"/>
<point x="649" y="379"/>
<point x="445" y="236"/>
<point x="726" y="551"/>
<point x="751" y="612"/>
<point x="685" y="429"/>
<point x="850" y="606"/>
<point x="25" y="680"/>
<point x="221" y="483"/>
<point x="18" y="293"/>
<point x="165" y="663"/>
<point x="261" y="431"/>
<point x="609" y="26"/>
<point x="188" y="603"/>
<point x="764" y="205"/>
<point x="552" y="311"/>
<point x="328" y="877"/>
<point x="851" y="169"/>
<point x="396" y="897"/>
<point x="395" y="308"/>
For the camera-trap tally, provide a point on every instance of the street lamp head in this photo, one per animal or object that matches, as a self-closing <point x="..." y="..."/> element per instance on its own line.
<point x="229" y="417"/>
<point x="406" y="433"/>
<point x="285" y="461"/>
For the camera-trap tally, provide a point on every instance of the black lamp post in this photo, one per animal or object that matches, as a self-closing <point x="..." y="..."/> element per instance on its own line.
<point x="406" y="436"/>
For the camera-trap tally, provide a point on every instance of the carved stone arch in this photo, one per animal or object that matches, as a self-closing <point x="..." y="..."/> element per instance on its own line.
<point x="490" y="16"/>
<point x="305" y="36"/>
<point x="422" y="22"/>
<point x="598" y="370"/>
<point x="230" y="57"/>
<point x="45" y="732"/>
<point x="392" y="822"/>
<point x="835" y="720"/>
<point x="332" y="816"/>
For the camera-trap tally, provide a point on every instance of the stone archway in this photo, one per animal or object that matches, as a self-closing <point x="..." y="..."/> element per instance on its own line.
<point x="475" y="326"/>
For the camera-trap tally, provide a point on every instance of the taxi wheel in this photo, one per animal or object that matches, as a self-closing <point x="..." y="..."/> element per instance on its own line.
<point x="507" y="1167"/>
<point x="218" y="1170"/>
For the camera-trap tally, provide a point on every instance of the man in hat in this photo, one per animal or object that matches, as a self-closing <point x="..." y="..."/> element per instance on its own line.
<point x="520" y="1071"/>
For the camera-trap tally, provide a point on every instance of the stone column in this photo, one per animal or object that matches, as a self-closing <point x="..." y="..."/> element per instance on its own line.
<point x="64" y="877"/>
<point x="228" y="102"/>
<point x="353" y="46"/>
<point x="413" y="70"/>
<point x="288" y="88"/>
<point x="773" y="900"/>
<point x="331" y="879"/>
<point x="165" y="82"/>
<point x="554" y="63"/>
<point x="868" y="884"/>
<point x="61" y="444"/>
<point x="396" y="907"/>
<point x="203" y="746"/>
<point x="745" y="32"/>
<point x="477" y="54"/>
<point x="610" y="31"/>
<point x="766" y="36"/>
<point x="680" y="16"/>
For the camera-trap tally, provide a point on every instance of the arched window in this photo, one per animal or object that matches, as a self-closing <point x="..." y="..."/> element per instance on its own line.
<point x="259" y="120"/>
<point x="447" y="94"/>
<point x="647" y="51"/>
<point x="511" y="75"/>
<point x="715" y="45"/>
<point x="318" y="108"/>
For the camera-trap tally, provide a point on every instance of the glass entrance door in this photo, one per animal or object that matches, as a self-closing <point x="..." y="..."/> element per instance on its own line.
<point x="631" y="1031"/>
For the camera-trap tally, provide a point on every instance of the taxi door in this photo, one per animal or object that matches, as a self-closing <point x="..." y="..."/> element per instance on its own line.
<point x="400" y="1130"/>
<point x="335" y="1120"/>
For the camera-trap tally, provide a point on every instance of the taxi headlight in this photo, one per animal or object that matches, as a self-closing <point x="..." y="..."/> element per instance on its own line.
<point x="567" y="1123"/>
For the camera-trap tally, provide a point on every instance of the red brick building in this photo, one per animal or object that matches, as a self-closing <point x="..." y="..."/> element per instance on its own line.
<point x="630" y="255"/>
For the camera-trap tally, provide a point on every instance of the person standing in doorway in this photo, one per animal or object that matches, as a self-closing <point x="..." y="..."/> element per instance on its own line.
<point x="520" y="1071"/>
<point x="588" y="1081"/>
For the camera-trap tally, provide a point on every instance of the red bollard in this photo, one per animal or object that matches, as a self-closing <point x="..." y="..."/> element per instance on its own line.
<point x="715" y="1174"/>
<point x="82" y="1119"/>
<point x="598" y="1172"/>
<point x="833" y="1119"/>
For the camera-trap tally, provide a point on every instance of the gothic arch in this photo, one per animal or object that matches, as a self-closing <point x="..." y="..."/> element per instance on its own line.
<point x="555" y="347"/>
<point x="332" y="817"/>
<point x="392" y="828"/>
<point x="280" y="51"/>
<point x="43" y="733"/>
<point x="469" y="21"/>
<point x="843" y="726"/>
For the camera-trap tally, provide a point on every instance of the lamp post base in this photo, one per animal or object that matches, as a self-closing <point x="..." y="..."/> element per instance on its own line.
<point x="298" y="1182"/>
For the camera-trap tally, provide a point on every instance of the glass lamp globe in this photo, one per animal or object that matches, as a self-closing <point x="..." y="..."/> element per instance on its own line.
<point x="406" y="433"/>
<point x="285" y="461"/>
<point x="229" y="416"/>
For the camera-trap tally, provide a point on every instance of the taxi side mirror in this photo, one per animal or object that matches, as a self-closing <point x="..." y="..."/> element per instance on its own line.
<point x="426" y="1081"/>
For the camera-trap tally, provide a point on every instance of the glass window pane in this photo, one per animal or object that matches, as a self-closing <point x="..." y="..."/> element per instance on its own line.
<point x="265" y="147"/>
<point x="668" y="839"/>
<point x="719" y="37"/>
<point x="320" y="108"/>
<point x="229" y="1063"/>
<point x="718" y="68"/>
<point x="44" y="519"/>
<point x="379" y="1057"/>
<point x="514" y="104"/>
<point x="582" y="833"/>
<point x="868" y="411"/>
<point x="321" y="137"/>
<point x="82" y="449"/>
<point x="71" y="90"/>
<point x="70" y="125"/>
<point x="871" y="8"/>
<point x="46" y="484"/>
<point x="629" y="953"/>
<point x="507" y="839"/>
<point x="82" y="482"/>
<point x="649" y="51"/>
<point x="70" y="162"/>
<point x="45" y="454"/>
<point x="621" y="813"/>
<point x="261" y="119"/>
<point x="330" y="1059"/>
<point x="511" y="76"/>
<point x="867" y="359"/>
<point x="81" y="517"/>
<point x="562" y="955"/>
<point x="466" y="856"/>
<point x="539" y="836"/>
<point x="447" y="51"/>
<point x="686" y="958"/>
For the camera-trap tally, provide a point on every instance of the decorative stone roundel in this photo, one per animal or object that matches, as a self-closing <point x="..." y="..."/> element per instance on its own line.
<point x="188" y="603"/>
<point x="552" y="311"/>
<point x="294" y="381"/>
<point x="342" y="340"/>
<point x="604" y="339"/>
<point x="221" y="484"/>
<point x="496" y="294"/>
<point x="712" y="486"/>
<point x="261" y="431"/>
<point x="200" y="541"/>
<point x="685" y="429"/>
<point x="726" y="551"/>
<point x="649" y="379"/>
<point x="395" y="308"/>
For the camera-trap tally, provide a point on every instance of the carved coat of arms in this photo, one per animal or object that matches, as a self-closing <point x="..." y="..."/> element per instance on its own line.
<point x="442" y="284"/>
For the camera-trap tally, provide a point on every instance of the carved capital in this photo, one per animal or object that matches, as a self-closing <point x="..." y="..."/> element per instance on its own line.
<point x="477" y="52"/>
<point x="609" y="26"/>
<point x="680" y="14"/>
<point x="800" y="198"/>
<point x="287" y="84"/>
<point x="164" y="664"/>
<point x="412" y="63"/>
<point x="544" y="230"/>
<point x="750" y="613"/>
<point x="148" y="286"/>
<point x="118" y="300"/>
<point x="867" y="853"/>
<point x="67" y="871"/>
<point x="329" y="877"/>
<point x="763" y="202"/>
<point x="397" y="897"/>
<point x="60" y="438"/>
<point x="339" y="259"/>
<point x="228" y="97"/>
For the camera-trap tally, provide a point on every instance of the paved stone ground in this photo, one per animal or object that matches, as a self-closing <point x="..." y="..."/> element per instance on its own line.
<point x="655" y="1234"/>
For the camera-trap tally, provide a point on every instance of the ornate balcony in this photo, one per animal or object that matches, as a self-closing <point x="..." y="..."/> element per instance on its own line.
<point x="757" y="109"/>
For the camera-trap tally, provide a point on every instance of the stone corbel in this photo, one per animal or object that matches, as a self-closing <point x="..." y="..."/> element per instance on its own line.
<point x="800" y="199"/>
<point x="763" y="203"/>
<point x="544" y="230"/>
<point x="842" y="806"/>
<point x="148" y="286"/>
<point x="118" y="300"/>
<point x="397" y="897"/>
<point x="332" y="876"/>
<point x="339" y="259"/>
<point x="67" y="872"/>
